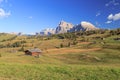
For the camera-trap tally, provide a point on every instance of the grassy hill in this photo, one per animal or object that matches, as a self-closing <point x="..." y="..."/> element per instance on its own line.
<point x="91" y="55"/>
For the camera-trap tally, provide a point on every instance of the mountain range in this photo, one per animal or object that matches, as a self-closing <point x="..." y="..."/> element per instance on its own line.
<point x="64" y="27"/>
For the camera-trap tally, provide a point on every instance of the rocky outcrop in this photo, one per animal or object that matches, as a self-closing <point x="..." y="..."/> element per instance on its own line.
<point x="83" y="26"/>
<point x="47" y="31"/>
<point x="63" y="27"/>
<point x="88" y="26"/>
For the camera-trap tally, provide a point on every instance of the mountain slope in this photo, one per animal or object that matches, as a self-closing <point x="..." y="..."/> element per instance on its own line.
<point x="83" y="26"/>
<point x="64" y="27"/>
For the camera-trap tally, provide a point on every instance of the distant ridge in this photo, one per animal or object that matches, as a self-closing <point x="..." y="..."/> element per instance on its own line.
<point x="64" y="27"/>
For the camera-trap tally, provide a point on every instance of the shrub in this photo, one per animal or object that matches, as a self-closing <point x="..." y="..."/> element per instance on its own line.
<point x="61" y="45"/>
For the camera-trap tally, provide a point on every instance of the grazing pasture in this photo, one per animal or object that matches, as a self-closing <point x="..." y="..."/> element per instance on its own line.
<point x="77" y="57"/>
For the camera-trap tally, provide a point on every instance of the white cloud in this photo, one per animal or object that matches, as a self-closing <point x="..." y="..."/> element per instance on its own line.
<point x="98" y="14"/>
<point x="108" y="22"/>
<point x="112" y="2"/>
<point x="110" y="17"/>
<point x="114" y="17"/>
<point x="3" y="13"/>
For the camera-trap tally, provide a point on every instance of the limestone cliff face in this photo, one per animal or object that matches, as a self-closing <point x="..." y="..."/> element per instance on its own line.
<point x="88" y="26"/>
<point x="48" y="31"/>
<point x="83" y="26"/>
<point x="63" y="27"/>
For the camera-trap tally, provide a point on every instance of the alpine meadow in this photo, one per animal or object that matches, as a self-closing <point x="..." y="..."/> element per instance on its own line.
<point x="59" y="39"/>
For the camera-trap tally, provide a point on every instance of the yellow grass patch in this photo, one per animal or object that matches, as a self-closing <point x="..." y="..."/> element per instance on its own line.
<point x="69" y="50"/>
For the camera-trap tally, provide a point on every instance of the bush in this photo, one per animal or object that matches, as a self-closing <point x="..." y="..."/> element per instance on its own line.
<point x="61" y="45"/>
<point x="16" y="44"/>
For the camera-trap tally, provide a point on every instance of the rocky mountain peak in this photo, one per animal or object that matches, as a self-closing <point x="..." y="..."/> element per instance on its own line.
<point x="63" y="27"/>
<point x="48" y="31"/>
<point x="85" y="24"/>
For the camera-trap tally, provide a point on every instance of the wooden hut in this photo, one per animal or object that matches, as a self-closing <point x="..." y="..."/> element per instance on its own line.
<point x="33" y="52"/>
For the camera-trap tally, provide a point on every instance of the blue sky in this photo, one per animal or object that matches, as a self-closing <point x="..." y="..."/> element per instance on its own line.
<point x="35" y="15"/>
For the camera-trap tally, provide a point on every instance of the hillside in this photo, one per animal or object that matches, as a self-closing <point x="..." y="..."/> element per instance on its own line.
<point x="68" y="46"/>
<point x="65" y="56"/>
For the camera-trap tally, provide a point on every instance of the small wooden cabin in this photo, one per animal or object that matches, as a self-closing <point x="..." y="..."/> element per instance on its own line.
<point x="33" y="52"/>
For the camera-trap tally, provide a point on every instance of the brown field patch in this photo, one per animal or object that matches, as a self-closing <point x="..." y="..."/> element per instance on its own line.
<point x="69" y="50"/>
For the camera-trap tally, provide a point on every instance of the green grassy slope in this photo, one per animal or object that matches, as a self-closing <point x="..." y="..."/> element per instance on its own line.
<point x="57" y="72"/>
<point x="86" y="58"/>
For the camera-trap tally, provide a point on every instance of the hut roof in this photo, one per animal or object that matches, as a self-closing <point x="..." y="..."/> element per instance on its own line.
<point x="35" y="50"/>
